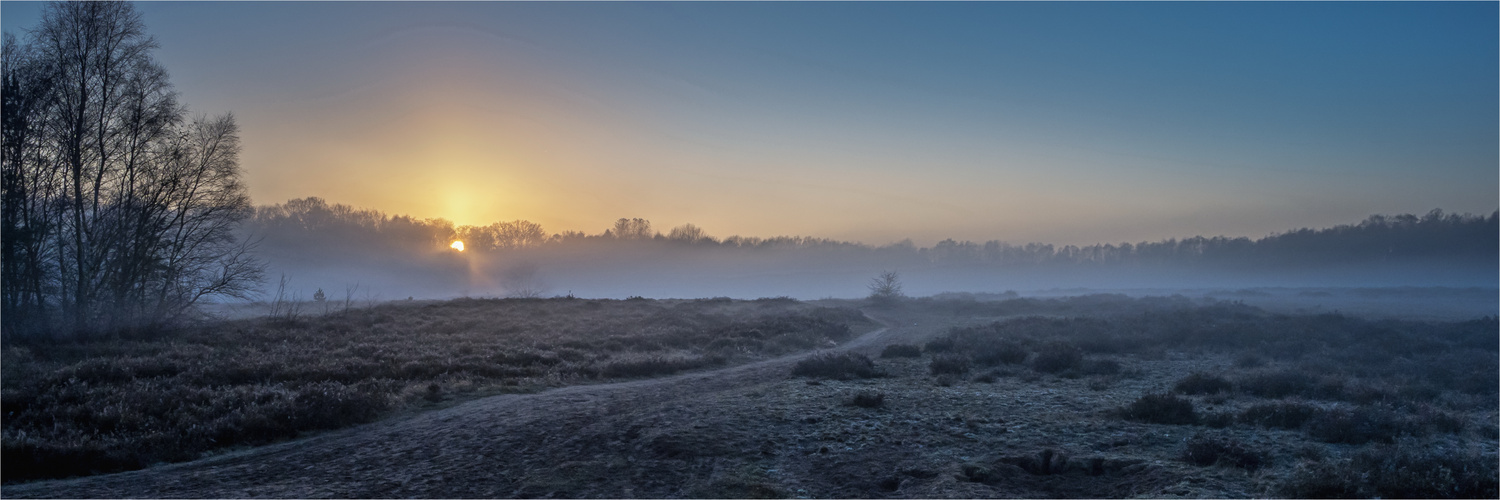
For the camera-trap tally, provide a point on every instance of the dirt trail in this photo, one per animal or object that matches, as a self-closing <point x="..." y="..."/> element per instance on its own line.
<point x="498" y="446"/>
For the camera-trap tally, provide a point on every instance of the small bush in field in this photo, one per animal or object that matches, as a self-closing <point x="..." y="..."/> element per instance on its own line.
<point x="1411" y="470"/>
<point x="1217" y="420"/>
<point x="1359" y="426"/>
<point x="868" y="399"/>
<point x="1161" y="409"/>
<point x="1275" y="385"/>
<point x="1212" y="449"/>
<point x="1249" y="360"/>
<point x="1100" y="367"/>
<point x="1405" y="470"/>
<point x="989" y="377"/>
<point x="1201" y="383"/>
<point x="837" y="366"/>
<point x="949" y="363"/>
<point x="901" y="351"/>
<point x="1001" y="352"/>
<point x="1280" y="414"/>
<point x="1056" y="357"/>
<point x="941" y="344"/>
<point x="657" y="365"/>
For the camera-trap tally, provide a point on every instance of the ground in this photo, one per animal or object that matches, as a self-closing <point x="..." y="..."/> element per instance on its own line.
<point x="756" y="430"/>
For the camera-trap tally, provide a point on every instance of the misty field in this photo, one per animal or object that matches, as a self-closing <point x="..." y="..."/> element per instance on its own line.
<point x="1092" y="396"/>
<point x="78" y="408"/>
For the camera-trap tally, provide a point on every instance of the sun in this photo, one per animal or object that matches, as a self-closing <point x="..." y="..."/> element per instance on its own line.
<point x="457" y="245"/>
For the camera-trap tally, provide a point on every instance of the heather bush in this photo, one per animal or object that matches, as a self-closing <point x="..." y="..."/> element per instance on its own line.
<point x="1280" y="414"/>
<point x="1206" y="449"/>
<point x="1408" y="469"/>
<point x="1201" y="383"/>
<point x="950" y="364"/>
<point x="868" y="399"/>
<point x="656" y="365"/>
<point x="1360" y="425"/>
<point x="837" y="366"/>
<point x="941" y="344"/>
<point x="1057" y="356"/>
<point x="1278" y="384"/>
<point x="1100" y="367"/>
<point x="1161" y="409"/>
<point x="1000" y="352"/>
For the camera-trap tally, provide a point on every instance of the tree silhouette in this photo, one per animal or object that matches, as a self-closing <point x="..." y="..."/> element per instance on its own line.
<point x="633" y="229"/>
<point x="119" y="211"/>
<point x="885" y="290"/>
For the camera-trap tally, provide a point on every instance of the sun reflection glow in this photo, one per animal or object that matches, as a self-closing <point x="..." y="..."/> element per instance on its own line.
<point x="458" y="245"/>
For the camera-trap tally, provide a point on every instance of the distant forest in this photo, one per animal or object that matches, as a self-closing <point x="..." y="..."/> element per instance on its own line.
<point x="312" y="226"/>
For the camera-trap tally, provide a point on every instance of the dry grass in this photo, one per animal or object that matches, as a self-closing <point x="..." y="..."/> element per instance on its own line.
<point x="84" y="408"/>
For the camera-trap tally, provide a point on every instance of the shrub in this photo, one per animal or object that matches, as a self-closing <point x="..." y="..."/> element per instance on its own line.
<point x="942" y="344"/>
<point x="1410" y="470"/>
<point x="1004" y="351"/>
<point x="868" y="399"/>
<point x="949" y="363"/>
<point x="1161" y="409"/>
<point x="1217" y="420"/>
<point x="1277" y="385"/>
<point x="1212" y="449"/>
<point x="837" y="366"/>
<point x="991" y="376"/>
<point x="656" y="365"/>
<point x="1056" y="357"/>
<point x="1406" y="470"/>
<point x="1249" y="360"/>
<point x="1281" y="414"/>
<point x="1201" y="383"/>
<point x="901" y="351"/>
<point x="331" y="405"/>
<point x="1101" y="367"/>
<point x="1367" y="424"/>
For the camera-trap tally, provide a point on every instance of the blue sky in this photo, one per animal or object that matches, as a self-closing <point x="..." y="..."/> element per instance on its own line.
<point x="1059" y="122"/>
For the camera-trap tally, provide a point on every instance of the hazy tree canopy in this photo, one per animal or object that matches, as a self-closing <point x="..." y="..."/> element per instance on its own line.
<point x="688" y="233"/>
<point x="328" y="245"/>
<point x="119" y="212"/>
<point x="312" y="222"/>
<point x="633" y="229"/>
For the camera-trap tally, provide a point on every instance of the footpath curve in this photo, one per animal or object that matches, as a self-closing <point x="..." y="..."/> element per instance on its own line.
<point x="474" y="449"/>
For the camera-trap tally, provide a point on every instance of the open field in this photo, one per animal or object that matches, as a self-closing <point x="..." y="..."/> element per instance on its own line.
<point x="1099" y="396"/>
<point x="104" y="406"/>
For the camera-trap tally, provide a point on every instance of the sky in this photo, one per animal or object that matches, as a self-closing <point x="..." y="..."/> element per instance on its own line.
<point x="1066" y="123"/>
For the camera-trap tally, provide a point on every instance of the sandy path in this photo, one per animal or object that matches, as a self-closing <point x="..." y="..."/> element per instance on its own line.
<point x="475" y="449"/>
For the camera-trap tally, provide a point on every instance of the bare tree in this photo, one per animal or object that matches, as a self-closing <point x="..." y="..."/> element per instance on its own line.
<point x="633" y="229"/>
<point x="124" y="212"/>
<point x="885" y="290"/>
<point x="688" y="233"/>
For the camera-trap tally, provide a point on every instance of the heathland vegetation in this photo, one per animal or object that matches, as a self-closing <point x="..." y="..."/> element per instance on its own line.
<point x="1094" y="396"/>
<point x="1374" y="408"/>
<point x="77" y="408"/>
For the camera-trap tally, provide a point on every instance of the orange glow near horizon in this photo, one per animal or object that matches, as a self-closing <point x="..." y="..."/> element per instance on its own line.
<point x="457" y="245"/>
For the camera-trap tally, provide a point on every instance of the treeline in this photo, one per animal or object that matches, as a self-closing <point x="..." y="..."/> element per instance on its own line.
<point x="312" y="223"/>
<point x="119" y="211"/>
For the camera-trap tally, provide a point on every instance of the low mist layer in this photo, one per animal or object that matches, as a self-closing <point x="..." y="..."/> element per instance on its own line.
<point x="365" y="255"/>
